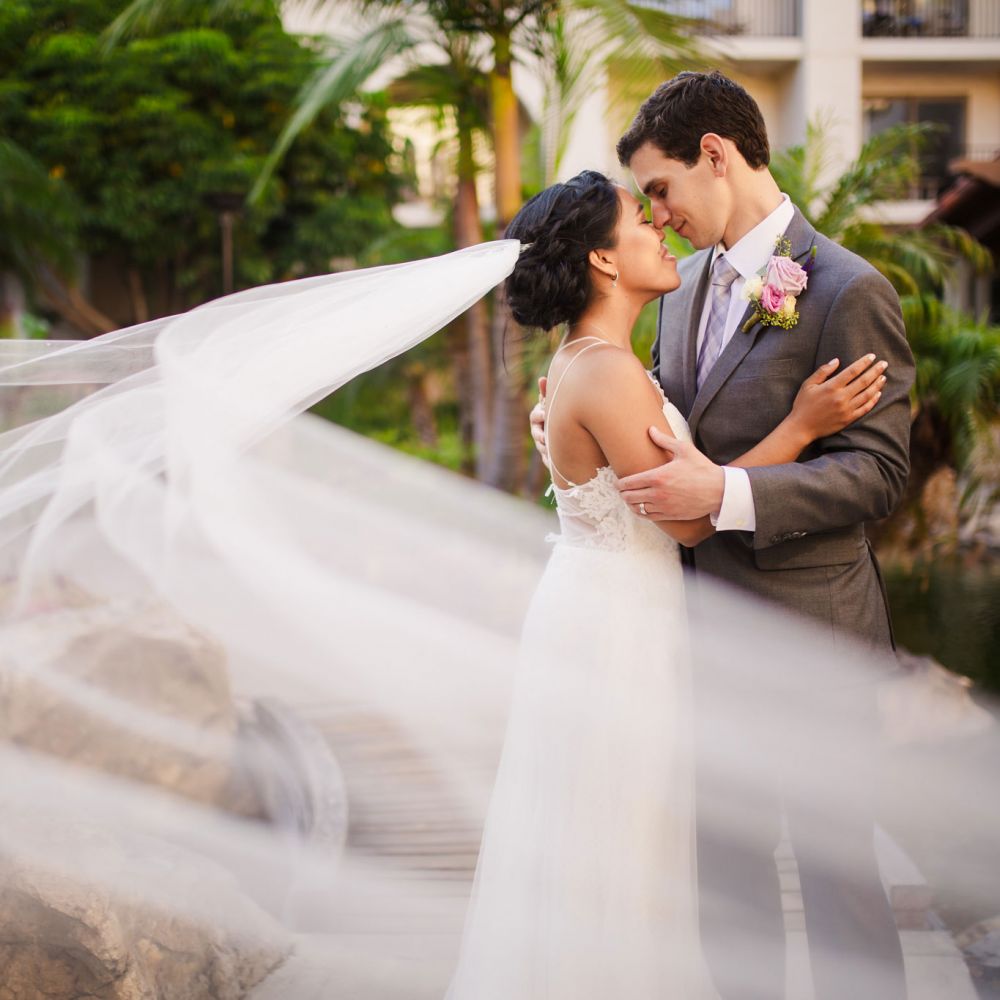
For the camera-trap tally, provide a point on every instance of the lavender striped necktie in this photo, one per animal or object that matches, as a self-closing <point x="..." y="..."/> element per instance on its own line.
<point x="723" y="276"/>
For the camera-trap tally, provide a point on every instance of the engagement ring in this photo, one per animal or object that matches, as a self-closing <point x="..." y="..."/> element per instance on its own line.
<point x="642" y="509"/>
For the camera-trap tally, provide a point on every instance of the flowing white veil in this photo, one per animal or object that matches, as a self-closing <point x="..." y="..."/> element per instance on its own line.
<point x="256" y="669"/>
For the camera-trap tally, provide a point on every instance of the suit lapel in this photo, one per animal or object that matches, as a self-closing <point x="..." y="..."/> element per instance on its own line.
<point x="802" y="236"/>
<point x="694" y="307"/>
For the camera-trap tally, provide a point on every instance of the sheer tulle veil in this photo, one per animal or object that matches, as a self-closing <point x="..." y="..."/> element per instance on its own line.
<point x="256" y="669"/>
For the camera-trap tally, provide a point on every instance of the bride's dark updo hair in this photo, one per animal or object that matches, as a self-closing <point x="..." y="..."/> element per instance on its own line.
<point x="551" y="281"/>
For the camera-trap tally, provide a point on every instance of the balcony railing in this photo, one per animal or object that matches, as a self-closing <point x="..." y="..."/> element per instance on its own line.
<point x="755" y="18"/>
<point x="931" y="19"/>
<point x="981" y="152"/>
<point x="938" y="173"/>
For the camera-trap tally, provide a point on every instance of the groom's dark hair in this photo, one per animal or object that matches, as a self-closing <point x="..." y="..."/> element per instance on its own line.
<point x="679" y="112"/>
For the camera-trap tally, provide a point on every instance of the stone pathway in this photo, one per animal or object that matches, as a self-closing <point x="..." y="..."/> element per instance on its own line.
<point x="391" y="820"/>
<point x="935" y="969"/>
<point x="325" y="966"/>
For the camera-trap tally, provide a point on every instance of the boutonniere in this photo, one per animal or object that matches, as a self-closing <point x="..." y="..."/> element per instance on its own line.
<point x="773" y="291"/>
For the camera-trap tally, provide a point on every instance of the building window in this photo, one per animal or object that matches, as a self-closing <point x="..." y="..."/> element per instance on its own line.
<point x="947" y="143"/>
<point x="758" y="18"/>
<point x="915" y="18"/>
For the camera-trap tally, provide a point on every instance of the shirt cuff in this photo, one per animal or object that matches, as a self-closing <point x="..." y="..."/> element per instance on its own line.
<point x="737" y="512"/>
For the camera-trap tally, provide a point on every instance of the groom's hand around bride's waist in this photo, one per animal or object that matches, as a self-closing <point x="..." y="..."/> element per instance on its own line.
<point x="687" y="487"/>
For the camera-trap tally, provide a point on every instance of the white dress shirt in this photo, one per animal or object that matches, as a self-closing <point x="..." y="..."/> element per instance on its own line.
<point x="748" y="256"/>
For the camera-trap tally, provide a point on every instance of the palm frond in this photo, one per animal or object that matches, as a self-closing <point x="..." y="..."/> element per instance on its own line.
<point x="884" y="170"/>
<point x="641" y="42"/>
<point x="332" y="84"/>
<point x="439" y="85"/>
<point x="576" y="44"/>
<point x="962" y="245"/>
<point x="568" y="63"/>
<point x="799" y="170"/>
<point x="958" y="368"/>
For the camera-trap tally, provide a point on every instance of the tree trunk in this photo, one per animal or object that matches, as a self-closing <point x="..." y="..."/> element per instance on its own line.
<point x="475" y="385"/>
<point x="73" y="307"/>
<point x="175" y="301"/>
<point x="137" y="294"/>
<point x="11" y="305"/>
<point x="505" y="467"/>
<point x="421" y="408"/>
<point x="457" y="342"/>
<point x="506" y="134"/>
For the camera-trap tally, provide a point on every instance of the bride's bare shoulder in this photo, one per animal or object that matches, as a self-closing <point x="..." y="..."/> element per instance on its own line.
<point x="613" y="371"/>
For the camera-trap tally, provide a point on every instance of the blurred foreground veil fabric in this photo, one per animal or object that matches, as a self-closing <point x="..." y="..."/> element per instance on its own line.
<point x="256" y="670"/>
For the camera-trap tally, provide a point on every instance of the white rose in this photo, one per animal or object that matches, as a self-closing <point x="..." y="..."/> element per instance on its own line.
<point x="752" y="287"/>
<point x="788" y="308"/>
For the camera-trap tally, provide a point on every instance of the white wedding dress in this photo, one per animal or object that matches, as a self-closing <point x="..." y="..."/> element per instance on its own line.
<point x="586" y="883"/>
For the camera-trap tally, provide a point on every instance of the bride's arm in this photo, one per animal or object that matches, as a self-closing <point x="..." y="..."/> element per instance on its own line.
<point x="824" y="405"/>
<point x="617" y="405"/>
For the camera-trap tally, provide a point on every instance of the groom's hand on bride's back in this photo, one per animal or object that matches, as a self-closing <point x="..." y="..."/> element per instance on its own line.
<point x="538" y="422"/>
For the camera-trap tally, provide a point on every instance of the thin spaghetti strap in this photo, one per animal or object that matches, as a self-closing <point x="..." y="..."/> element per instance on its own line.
<point x="579" y="340"/>
<point x="555" y="391"/>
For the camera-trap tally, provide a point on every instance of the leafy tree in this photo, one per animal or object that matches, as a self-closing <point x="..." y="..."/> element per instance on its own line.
<point x="38" y="219"/>
<point x="155" y="135"/>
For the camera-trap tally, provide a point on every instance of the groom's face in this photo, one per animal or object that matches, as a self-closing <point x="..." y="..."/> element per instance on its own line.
<point x="687" y="199"/>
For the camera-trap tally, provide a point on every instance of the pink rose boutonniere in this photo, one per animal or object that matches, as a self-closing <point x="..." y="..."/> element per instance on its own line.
<point x="773" y="291"/>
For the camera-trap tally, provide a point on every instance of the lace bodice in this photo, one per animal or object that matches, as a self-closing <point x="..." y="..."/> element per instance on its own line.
<point x="593" y="514"/>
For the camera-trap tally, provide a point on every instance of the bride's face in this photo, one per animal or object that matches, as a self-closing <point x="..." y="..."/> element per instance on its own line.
<point x="645" y="266"/>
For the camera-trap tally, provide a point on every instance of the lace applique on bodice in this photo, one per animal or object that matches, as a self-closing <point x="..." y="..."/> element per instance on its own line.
<point x="593" y="514"/>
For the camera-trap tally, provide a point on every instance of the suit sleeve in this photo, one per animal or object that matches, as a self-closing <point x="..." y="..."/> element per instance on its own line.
<point x="861" y="472"/>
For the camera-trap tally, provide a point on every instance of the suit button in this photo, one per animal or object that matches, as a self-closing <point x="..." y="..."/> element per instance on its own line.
<point x="775" y="539"/>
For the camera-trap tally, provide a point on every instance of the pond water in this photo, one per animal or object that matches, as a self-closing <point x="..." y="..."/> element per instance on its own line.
<point x="950" y="608"/>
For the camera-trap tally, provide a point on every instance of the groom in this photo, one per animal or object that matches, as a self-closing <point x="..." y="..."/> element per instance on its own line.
<point x="794" y="533"/>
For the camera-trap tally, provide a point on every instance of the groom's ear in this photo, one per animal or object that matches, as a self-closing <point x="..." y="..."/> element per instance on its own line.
<point x="714" y="149"/>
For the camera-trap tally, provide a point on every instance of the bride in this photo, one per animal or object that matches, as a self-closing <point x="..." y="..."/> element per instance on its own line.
<point x="586" y="880"/>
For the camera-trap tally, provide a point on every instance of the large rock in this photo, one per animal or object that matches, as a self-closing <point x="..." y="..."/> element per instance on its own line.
<point x="62" y="939"/>
<point x="980" y="944"/>
<point x="101" y="683"/>
<point x="981" y="509"/>
<point x="929" y="704"/>
<point x="128" y="688"/>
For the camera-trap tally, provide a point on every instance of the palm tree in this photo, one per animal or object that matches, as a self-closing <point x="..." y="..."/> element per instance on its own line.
<point x="537" y="30"/>
<point x="957" y="389"/>
<point x="479" y="39"/>
<point x="459" y="90"/>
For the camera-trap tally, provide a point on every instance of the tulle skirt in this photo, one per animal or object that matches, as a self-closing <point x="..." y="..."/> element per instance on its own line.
<point x="586" y="881"/>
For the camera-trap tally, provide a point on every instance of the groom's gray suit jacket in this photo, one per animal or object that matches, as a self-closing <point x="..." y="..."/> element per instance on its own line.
<point x="809" y="551"/>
